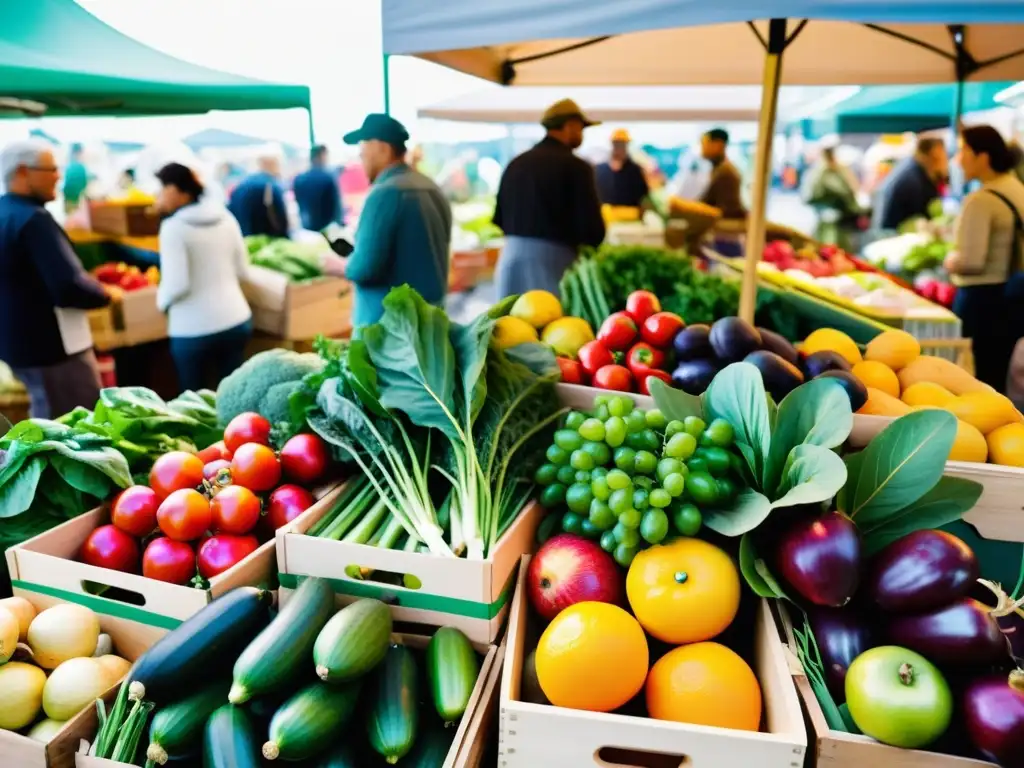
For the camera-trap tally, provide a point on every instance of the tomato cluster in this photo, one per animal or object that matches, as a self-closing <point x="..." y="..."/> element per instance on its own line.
<point x="203" y="513"/>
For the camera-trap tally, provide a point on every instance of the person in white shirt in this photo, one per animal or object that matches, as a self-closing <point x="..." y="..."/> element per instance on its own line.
<point x="203" y="260"/>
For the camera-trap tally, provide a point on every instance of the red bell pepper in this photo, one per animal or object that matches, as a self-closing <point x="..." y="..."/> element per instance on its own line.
<point x="643" y="358"/>
<point x="617" y="332"/>
<point x="661" y="328"/>
<point x="594" y="355"/>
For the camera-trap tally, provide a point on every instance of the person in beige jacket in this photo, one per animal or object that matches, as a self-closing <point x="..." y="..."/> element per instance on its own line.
<point x="987" y="263"/>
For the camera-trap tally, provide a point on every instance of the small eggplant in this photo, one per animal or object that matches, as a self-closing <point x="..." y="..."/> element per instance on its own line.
<point x="821" y="559"/>
<point x="841" y="635"/>
<point x="963" y="633"/>
<point x="920" y="572"/>
<point x="994" y="712"/>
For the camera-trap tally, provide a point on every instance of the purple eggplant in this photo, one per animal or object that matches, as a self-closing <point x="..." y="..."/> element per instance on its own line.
<point x="920" y="572"/>
<point x="963" y="633"/>
<point x="994" y="712"/>
<point x="842" y="635"/>
<point x="820" y="557"/>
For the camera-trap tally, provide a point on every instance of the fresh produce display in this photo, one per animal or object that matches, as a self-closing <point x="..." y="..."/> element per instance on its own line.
<point x="296" y="261"/>
<point x="826" y="261"/>
<point x="122" y="277"/>
<point x="917" y="257"/>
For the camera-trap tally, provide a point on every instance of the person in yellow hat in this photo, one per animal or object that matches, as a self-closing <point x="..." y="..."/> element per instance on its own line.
<point x="621" y="180"/>
<point x="547" y="206"/>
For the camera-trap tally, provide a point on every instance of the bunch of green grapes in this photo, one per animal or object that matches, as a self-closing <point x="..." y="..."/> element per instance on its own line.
<point x="631" y="478"/>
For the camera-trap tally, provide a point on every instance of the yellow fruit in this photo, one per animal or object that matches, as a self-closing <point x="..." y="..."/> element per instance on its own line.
<point x="985" y="410"/>
<point x="877" y="375"/>
<point x="833" y="341"/>
<point x="940" y="371"/>
<point x="927" y="393"/>
<point x="896" y="349"/>
<point x="969" y="445"/>
<point x="566" y="335"/>
<point x="538" y="308"/>
<point x="1006" y="445"/>
<point x="510" y="331"/>
<point x="881" y="403"/>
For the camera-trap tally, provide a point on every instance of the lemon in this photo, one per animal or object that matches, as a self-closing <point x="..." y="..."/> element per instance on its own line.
<point x="566" y="335"/>
<point x="510" y="331"/>
<point x="538" y="308"/>
<point x="833" y="341"/>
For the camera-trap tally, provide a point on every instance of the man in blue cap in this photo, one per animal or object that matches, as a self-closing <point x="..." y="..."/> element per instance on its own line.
<point x="405" y="227"/>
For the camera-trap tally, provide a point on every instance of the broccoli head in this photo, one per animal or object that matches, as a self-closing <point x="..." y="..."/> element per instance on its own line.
<point x="263" y="383"/>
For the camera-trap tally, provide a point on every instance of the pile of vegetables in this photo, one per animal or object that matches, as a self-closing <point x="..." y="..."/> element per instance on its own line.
<point x="289" y="688"/>
<point x="917" y="257"/>
<point x="126" y="277"/>
<point x="297" y="261"/>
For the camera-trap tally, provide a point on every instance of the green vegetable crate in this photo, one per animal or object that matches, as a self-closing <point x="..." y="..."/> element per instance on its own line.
<point x="471" y="595"/>
<point x="298" y="311"/>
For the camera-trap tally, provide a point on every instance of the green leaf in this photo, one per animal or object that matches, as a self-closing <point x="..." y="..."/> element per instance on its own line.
<point x="748" y="510"/>
<point x="813" y="474"/>
<point x="756" y="572"/>
<point x="17" y="493"/>
<point x="81" y="476"/>
<point x="737" y="395"/>
<point x="815" y="413"/>
<point x="362" y="376"/>
<point x="902" y="463"/>
<point x="674" y="403"/>
<point x="943" y="504"/>
<point x="471" y="343"/>
<point x="854" y="462"/>
<point x="538" y="358"/>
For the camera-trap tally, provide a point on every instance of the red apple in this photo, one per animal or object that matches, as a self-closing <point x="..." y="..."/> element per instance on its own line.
<point x="570" y="569"/>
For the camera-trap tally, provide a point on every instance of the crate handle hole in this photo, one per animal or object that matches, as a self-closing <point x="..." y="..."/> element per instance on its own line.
<point x="113" y="593"/>
<point x="615" y="757"/>
<point x="387" y="578"/>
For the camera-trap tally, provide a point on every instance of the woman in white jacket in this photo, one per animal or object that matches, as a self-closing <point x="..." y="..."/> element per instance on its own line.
<point x="203" y="260"/>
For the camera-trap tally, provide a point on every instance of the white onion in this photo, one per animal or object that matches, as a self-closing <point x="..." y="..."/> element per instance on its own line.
<point x="63" y="632"/>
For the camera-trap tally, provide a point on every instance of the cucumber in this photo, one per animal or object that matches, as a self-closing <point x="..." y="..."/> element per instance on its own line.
<point x="394" y="716"/>
<point x="353" y="642"/>
<point x="431" y="749"/>
<point x="309" y="721"/>
<point x="177" y="729"/>
<point x="230" y="741"/>
<point x="452" y="669"/>
<point x="342" y="755"/>
<point x="280" y="651"/>
<point x="182" y="660"/>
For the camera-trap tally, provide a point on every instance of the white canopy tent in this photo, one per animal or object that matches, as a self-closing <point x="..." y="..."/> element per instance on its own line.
<point x="664" y="42"/>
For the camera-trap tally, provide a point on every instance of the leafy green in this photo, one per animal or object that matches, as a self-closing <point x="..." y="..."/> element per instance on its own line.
<point x="756" y="572"/>
<point x="737" y="395"/>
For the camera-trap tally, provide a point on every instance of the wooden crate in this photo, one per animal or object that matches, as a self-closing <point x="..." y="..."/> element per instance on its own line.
<point x="999" y="513"/>
<point x="135" y="219"/>
<point x="472" y="595"/>
<point x="141" y="321"/>
<point x="479" y="733"/>
<point x="533" y="735"/>
<point x="105" y="335"/>
<point x="298" y="311"/>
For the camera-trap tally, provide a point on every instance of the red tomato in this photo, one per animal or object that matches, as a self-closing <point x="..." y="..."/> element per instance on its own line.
<point x="661" y="328"/>
<point x="255" y="467"/>
<point x="286" y="503"/>
<point x="643" y="360"/>
<point x="169" y="560"/>
<point x="174" y="471"/>
<point x="304" y="459"/>
<point x="218" y="553"/>
<point x="246" y="428"/>
<point x="235" y="510"/>
<point x="594" y="355"/>
<point x="617" y="332"/>
<point x="212" y="471"/>
<point x="185" y="515"/>
<point x="212" y="453"/>
<point x="614" y="377"/>
<point x="134" y="511"/>
<point x="572" y="371"/>
<point x="110" y="547"/>
<point x="645" y="381"/>
<point x="642" y="304"/>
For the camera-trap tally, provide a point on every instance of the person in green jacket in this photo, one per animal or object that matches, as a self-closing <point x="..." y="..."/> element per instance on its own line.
<point x="76" y="179"/>
<point x="405" y="228"/>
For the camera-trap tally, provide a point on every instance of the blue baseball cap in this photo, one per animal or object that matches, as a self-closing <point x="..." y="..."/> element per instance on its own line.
<point x="379" y="127"/>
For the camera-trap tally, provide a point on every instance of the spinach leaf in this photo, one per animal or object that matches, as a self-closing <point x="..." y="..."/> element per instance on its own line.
<point x="674" y="404"/>
<point x="17" y="494"/>
<point x="81" y="476"/>
<point x="737" y="395"/>
<point x="812" y="474"/>
<point x="748" y="510"/>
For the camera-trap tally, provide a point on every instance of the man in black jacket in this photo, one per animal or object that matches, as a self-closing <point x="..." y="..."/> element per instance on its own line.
<point x="44" y="292"/>
<point x="912" y="186"/>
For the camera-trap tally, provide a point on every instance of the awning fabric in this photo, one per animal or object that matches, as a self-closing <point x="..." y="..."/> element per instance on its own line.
<point x="57" y="53"/>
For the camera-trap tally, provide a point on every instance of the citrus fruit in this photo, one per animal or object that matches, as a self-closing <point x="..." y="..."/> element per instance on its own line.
<point x="984" y="410"/>
<point x="704" y="684"/>
<point x="1006" y="445"/>
<point x="538" y="308"/>
<point x="878" y="376"/>
<point x="566" y="335"/>
<point x="510" y="331"/>
<point x="683" y="592"/>
<point x="969" y="444"/>
<point x="592" y="656"/>
<point x="831" y="340"/>
<point x="894" y="348"/>
<point x="927" y="393"/>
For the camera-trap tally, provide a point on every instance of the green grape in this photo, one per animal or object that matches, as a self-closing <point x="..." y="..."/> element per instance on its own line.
<point x="615" y="431"/>
<point x="681" y="446"/>
<point x="655" y="419"/>
<point x="702" y="488"/>
<point x="644" y="440"/>
<point x="717" y="459"/>
<point x="624" y="554"/>
<point x="574" y="419"/>
<point x="548" y="527"/>
<point x="694" y="425"/>
<point x="608" y="542"/>
<point x="618" y="480"/>
<point x="641" y="481"/>
<point x="620" y="406"/>
<point x="666" y="467"/>
<point x="727" y="489"/>
<point x="673" y="428"/>
<point x="660" y="498"/>
<point x="556" y="455"/>
<point x="592" y="429"/>
<point x="620" y="501"/>
<point x="636" y="422"/>
<point x="630" y="518"/>
<point x="578" y="498"/>
<point x="582" y="460"/>
<point x="568" y="439"/>
<point x="628" y="536"/>
<point x="589" y="530"/>
<point x="599" y="487"/>
<point x="553" y="496"/>
<point x="601" y="515"/>
<point x="687" y="519"/>
<point x="572" y="523"/>
<point x="600" y="452"/>
<point x="546" y="474"/>
<point x="602" y="399"/>
<point x="654" y="526"/>
<point x="601" y="412"/>
<point x="566" y="475"/>
<point x="697" y="464"/>
<point x="645" y="463"/>
<point x="721" y="433"/>
<point x="675" y="484"/>
<point x="625" y="458"/>
<point x="597" y="472"/>
<point x="641" y="499"/>
<point x="582" y="476"/>
<point x="737" y="463"/>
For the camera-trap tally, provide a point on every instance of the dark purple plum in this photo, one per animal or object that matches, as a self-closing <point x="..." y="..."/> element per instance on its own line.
<point x="694" y="376"/>
<point x="692" y="343"/>
<point x="842" y="634"/>
<point x="854" y="387"/>
<point x="821" y="559"/>
<point x="733" y="339"/>
<point x="777" y="343"/>
<point x="993" y="708"/>
<point x="817" y="363"/>
<point x="962" y="633"/>
<point x="780" y="376"/>
<point x="922" y="571"/>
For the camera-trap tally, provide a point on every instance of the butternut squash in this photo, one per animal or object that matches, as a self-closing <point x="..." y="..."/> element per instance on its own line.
<point x="881" y="403"/>
<point x="942" y="372"/>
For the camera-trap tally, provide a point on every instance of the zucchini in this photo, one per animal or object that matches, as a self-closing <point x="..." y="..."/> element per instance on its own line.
<point x="353" y="642"/>
<point x="177" y="729"/>
<point x="230" y="740"/>
<point x="342" y="755"/>
<point x="394" y="715"/>
<point x="309" y="721"/>
<point x="280" y="651"/>
<point x="431" y="749"/>
<point x="182" y="660"/>
<point x="452" y="669"/>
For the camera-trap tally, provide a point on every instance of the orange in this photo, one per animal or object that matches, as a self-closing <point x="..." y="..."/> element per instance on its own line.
<point x="592" y="656"/>
<point x="969" y="444"/>
<point x="834" y="341"/>
<point x="927" y="393"/>
<point x="894" y="348"/>
<point x="1006" y="445"/>
<point x="704" y="684"/>
<point x="878" y="376"/>
<point x="683" y="592"/>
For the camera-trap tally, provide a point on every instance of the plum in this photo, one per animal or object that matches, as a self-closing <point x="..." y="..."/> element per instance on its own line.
<point x="692" y="343"/>
<point x="963" y="633"/>
<point x="780" y="376"/>
<point x="817" y="363"/>
<point x="854" y="387"/>
<point x="694" y="376"/>
<point x="993" y="708"/>
<point x="733" y="339"/>
<point x="777" y="343"/>
<point x="820" y="557"/>
<point x="922" y="571"/>
<point x="842" y="634"/>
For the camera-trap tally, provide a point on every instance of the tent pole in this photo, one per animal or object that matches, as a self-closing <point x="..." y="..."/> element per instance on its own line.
<point x="387" y="84"/>
<point x="762" y="167"/>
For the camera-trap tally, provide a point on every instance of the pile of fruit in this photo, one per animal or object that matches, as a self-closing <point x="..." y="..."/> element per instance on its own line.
<point x="53" y="665"/>
<point x="537" y="316"/>
<point x="826" y="261"/>
<point x="596" y="655"/>
<point x="916" y="257"/>
<point x="631" y="479"/>
<point x="126" y="278"/>
<point x="203" y="513"/>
